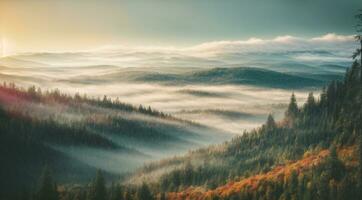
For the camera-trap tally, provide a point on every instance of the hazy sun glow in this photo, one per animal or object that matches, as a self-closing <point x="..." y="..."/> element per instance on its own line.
<point x="71" y="25"/>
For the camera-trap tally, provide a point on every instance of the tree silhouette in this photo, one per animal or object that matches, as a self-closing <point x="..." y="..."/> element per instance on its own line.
<point x="358" y="37"/>
<point x="360" y="166"/>
<point x="98" y="188"/>
<point x="47" y="188"/>
<point x="270" y="123"/>
<point x="144" y="193"/>
<point x="292" y="111"/>
<point x="335" y="167"/>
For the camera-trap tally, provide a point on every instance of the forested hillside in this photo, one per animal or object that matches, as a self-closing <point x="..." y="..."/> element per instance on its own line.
<point x="331" y="121"/>
<point x="313" y="153"/>
<point x="75" y="135"/>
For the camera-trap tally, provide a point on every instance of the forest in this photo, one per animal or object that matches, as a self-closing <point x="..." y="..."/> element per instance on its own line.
<point x="44" y="128"/>
<point x="314" y="152"/>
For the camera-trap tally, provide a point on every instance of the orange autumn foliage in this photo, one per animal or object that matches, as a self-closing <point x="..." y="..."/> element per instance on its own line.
<point x="278" y="173"/>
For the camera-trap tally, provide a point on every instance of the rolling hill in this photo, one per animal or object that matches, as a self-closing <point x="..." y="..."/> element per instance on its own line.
<point x="313" y="150"/>
<point x="216" y="76"/>
<point x="75" y="135"/>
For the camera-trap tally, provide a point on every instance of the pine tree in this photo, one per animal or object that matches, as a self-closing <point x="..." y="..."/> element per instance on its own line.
<point x="344" y="189"/>
<point x="323" y="187"/>
<point x="292" y="111"/>
<point x="358" y="37"/>
<point x="293" y="184"/>
<point x="333" y="190"/>
<point x="162" y="196"/>
<point x="359" y="189"/>
<point x="116" y="192"/>
<point x="312" y="189"/>
<point x="188" y="173"/>
<point x="302" y="182"/>
<point x="128" y="195"/>
<point x="311" y="99"/>
<point x="47" y="189"/>
<point x="98" y="188"/>
<point x="144" y="193"/>
<point x="270" y="123"/>
<point x="335" y="168"/>
<point x="310" y="105"/>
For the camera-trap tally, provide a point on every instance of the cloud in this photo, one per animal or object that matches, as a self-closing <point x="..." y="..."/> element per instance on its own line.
<point x="330" y="42"/>
<point x="332" y="37"/>
<point x="286" y="39"/>
<point x="106" y="71"/>
<point x="225" y="53"/>
<point x="280" y="43"/>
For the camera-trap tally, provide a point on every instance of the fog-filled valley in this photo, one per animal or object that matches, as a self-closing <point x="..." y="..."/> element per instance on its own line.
<point x="99" y="133"/>
<point x="119" y="109"/>
<point x="180" y="100"/>
<point x="224" y="84"/>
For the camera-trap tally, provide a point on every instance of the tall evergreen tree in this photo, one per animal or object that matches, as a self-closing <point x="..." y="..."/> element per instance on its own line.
<point x="302" y="186"/>
<point x="345" y="189"/>
<point x="293" y="185"/>
<point x="333" y="190"/>
<point x="270" y="123"/>
<point x="47" y="188"/>
<point x="162" y="196"/>
<point x="292" y="111"/>
<point x="115" y="192"/>
<point x="310" y="105"/>
<point x="359" y="189"/>
<point x="128" y="195"/>
<point x="358" y="37"/>
<point x="323" y="187"/>
<point x="188" y="173"/>
<point x="98" y="188"/>
<point x="144" y="193"/>
<point x="335" y="168"/>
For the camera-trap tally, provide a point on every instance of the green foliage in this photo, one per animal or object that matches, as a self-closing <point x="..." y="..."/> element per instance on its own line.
<point x="335" y="169"/>
<point x="270" y="123"/>
<point x="47" y="188"/>
<point x="115" y="192"/>
<point x="292" y="111"/>
<point x="98" y="188"/>
<point x="330" y="121"/>
<point x="144" y="193"/>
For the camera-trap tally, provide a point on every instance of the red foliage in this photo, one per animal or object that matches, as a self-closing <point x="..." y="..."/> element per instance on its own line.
<point x="276" y="174"/>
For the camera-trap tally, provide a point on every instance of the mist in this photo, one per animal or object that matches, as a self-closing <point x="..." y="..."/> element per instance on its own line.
<point x="220" y="88"/>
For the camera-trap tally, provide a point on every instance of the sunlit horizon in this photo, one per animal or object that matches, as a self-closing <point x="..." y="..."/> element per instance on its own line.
<point x="9" y="48"/>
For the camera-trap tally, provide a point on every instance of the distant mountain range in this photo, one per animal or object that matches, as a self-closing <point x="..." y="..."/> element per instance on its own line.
<point x="217" y="76"/>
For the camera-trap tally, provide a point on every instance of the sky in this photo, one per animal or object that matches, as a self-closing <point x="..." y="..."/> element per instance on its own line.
<point x="70" y="25"/>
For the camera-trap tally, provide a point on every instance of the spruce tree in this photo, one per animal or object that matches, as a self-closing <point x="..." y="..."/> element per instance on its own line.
<point x="323" y="187"/>
<point x="116" y="192"/>
<point x="98" y="188"/>
<point x="47" y="188"/>
<point x="144" y="193"/>
<point x="188" y="173"/>
<point x="335" y="168"/>
<point x="358" y="37"/>
<point x="128" y="195"/>
<point x="333" y="190"/>
<point x="310" y="105"/>
<point x="270" y="123"/>
<point x="292" y="111"/>
<point x="293" y="185"/>
<point x="345" y="189"/>
<point x="162" y="196"/>
<point x="359" y="189"/>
